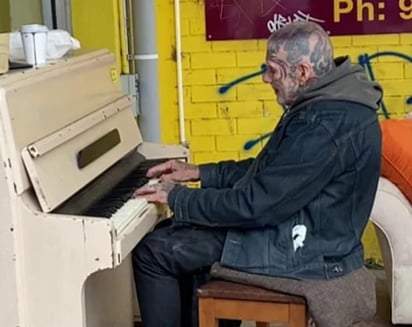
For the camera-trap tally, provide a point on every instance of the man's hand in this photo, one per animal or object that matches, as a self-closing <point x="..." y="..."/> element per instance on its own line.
<point x="175" y="171"/>
<point x="157" y="193"/>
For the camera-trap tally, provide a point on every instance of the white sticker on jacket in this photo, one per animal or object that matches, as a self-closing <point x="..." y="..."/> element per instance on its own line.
<point x="299" y="236"/>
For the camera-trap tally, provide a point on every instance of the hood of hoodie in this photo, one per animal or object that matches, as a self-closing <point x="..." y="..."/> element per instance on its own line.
<point x="346" y="82"/>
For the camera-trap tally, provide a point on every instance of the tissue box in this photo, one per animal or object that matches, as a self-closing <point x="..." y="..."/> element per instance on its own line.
<point x="4" y="53"/>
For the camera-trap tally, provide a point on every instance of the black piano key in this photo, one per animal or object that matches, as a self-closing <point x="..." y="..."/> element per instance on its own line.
<point x="123" y="191"/>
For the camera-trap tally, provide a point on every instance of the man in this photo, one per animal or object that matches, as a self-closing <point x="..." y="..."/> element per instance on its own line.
<point x="298" y="210"/>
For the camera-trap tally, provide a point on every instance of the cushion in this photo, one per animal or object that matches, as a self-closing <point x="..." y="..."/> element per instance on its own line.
<point x="397" y="154"/>
<point x="338" y="302"/>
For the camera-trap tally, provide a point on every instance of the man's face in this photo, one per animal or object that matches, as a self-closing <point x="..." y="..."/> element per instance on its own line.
<point x="282" y="77"/>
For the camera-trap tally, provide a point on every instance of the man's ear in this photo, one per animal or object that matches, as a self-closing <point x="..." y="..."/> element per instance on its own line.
<point x="305" y="73"/>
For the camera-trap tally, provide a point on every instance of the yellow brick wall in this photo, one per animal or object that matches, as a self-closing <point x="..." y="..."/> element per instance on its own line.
<point x="217" y="125"/>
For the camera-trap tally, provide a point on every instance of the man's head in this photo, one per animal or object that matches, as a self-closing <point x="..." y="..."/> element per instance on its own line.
<point x="297" y="54"/>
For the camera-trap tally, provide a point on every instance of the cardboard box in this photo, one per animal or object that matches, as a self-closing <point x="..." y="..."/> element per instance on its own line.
<point x="4" y="53"/>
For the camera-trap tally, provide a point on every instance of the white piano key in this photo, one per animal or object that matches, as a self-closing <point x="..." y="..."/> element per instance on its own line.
<point x="153" y="181"/>
<point x="133" y="208"/>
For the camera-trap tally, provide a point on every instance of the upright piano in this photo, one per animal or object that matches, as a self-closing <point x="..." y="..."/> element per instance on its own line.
<point x="71" y="156"/>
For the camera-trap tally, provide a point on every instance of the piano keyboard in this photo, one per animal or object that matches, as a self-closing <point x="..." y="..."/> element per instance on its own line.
<point x="133" y="208"/>
<point x="121" y="194"/>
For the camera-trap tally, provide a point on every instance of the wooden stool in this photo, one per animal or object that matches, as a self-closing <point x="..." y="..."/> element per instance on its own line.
<point x="227" y="300"/>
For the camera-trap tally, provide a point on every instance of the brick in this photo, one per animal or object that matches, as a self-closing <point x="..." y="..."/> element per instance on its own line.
<point x="355" y="52"/>
<point x="195" y="44"/>
<point x="256" y="126"/>
<point x="251" y="59"/>
<point x="262" y="45"/>
<point x="187" y="93"/>
<point x="206" y="157"/>
<point x="397" y="87"/>
<point x="210" y="94"/>
<point x="199" y="77"/>
<point x="163" y="10"/>
<point x="341" y="41"/>
<point x="252" y="153"/>
<point x="408" y="109"/>
<point x="388" y="70"/>
<point x="234" y="142"/>
<point x="381" y="39"/>
<point x="202" y="143"/>
<point x="227" y="75"/>
<point x="200" y="110"/>
<point x="249" y="45"/>
<point x="213" y="60"/>
<point x="394" y="103"/>
<point x="185" y="27"/>
<point x="255" y="92"/>
<point x="371" y="245"/>
<point x="397" y="116"/>
<point x="175" y="128"/>
<point x="168" y="69"/>
<point x="188" y="128"/>
<point x="169" y="129"/>
<point x="240" y="109"/>
<point x="406" y="38"/>
<point x="198" y="27"/>
<point x="164" y="46"/>
<point x="189" y="10"/>
<point x="213" y="127"/>
<point x="193" y="184"/>
<point x="272" y="108"/>
<point x="381" y="117"/>
<point x="186" y="60"/>
<point x="408" y="70"/>
<point x="402" y="49"/>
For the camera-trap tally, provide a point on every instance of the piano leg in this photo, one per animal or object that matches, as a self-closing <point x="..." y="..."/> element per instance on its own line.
<point x="109" y="297"/>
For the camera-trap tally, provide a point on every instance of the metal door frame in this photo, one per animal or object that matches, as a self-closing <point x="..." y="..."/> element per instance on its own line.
<point x="57" y="14"/>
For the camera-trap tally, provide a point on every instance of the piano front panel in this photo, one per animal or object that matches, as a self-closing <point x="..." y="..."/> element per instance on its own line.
<point x="54" y="164"/>
<point x="51" y="256"/>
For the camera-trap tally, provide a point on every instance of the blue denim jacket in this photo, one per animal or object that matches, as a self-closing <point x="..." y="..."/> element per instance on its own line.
<point x="299" y="209"/>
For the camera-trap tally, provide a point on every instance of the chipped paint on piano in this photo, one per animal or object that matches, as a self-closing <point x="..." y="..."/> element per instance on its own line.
<point x="71" y="155"/>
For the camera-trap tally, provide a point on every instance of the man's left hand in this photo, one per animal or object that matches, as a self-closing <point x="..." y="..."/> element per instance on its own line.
<point x="157" y="193"/>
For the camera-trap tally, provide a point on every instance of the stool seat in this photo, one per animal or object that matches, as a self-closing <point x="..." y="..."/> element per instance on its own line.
<point x="220" y="289"/>
<point x="220" y="299"/>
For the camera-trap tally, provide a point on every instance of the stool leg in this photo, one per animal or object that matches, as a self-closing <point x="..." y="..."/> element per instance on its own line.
<point x="297" y="315"/>
<point x="207" y="313"/>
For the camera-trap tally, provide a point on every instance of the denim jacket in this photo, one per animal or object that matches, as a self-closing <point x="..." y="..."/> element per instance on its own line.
<point x="300" y="207"/>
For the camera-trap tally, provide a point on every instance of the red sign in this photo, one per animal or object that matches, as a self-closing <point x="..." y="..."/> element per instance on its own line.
<point x="256" y="19"/>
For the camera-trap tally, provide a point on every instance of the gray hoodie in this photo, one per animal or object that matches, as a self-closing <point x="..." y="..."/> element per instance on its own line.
<point x="345" y="82"/>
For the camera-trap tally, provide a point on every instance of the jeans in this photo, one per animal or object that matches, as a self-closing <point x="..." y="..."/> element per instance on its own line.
<point x="170" y="263"/>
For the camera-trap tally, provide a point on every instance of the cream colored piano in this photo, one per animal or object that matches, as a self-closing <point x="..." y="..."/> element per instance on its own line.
<point x="71" y="155"/>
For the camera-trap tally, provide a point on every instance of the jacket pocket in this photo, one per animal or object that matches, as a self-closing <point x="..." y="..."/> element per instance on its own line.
<point x="281" y="246"/>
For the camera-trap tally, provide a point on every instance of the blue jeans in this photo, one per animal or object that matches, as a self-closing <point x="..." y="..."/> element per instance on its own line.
<point x="170" y="263"/>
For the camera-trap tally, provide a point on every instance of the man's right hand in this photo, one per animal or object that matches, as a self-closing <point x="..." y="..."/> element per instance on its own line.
<point x="175" y="171"/>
